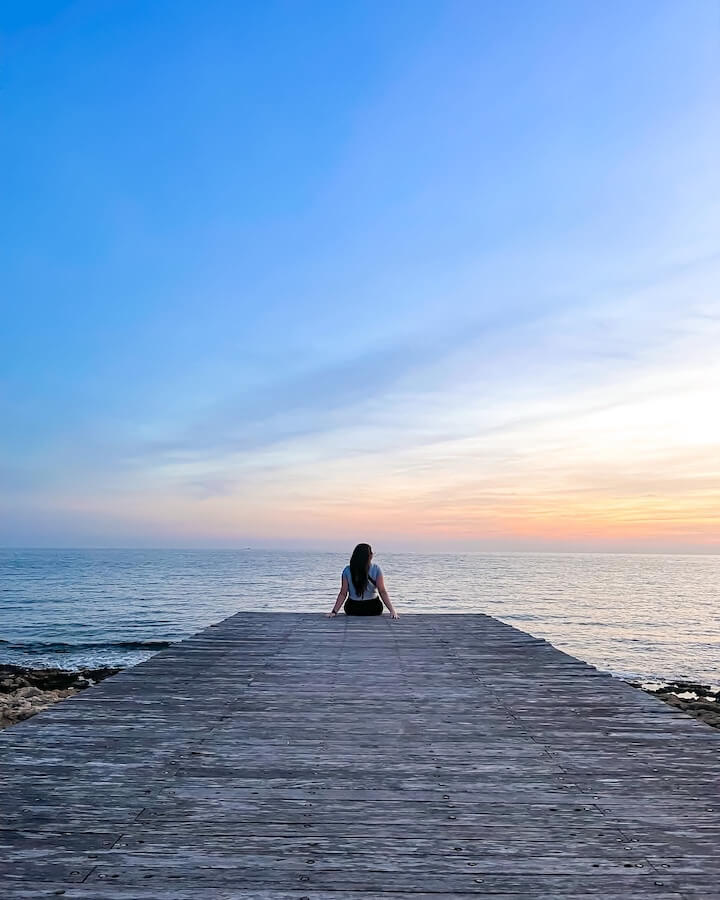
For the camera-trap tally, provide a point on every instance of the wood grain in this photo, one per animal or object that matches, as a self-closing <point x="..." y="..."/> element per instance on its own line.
<point x="286" y="756"/>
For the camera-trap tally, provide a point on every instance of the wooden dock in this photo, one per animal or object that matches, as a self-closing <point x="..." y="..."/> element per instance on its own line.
<point x="278" y="756"/>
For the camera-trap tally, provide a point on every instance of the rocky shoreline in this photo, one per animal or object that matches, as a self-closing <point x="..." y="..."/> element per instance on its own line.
<point x="25" y="692"/>
<point x="697" y="700"/>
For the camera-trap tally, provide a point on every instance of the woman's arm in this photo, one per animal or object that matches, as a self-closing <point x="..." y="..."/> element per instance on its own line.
<point x="340" y="598"/>
<point x="384" y="595"/>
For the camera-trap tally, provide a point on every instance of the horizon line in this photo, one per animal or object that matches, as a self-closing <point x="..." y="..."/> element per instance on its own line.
<point x="385" y="552"/>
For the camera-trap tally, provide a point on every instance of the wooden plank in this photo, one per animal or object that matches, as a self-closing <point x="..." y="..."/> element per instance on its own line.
<point x="114" y="891"/>
<point x="372" y="884"/>
<point x="287" y="756"/>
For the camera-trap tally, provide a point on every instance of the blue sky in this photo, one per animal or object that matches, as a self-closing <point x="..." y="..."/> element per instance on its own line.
<point x="275" y="273"/>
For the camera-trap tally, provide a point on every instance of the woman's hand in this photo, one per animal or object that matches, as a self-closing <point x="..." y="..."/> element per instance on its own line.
<point x="384" y="596"/>
<point x="340" y="599"/>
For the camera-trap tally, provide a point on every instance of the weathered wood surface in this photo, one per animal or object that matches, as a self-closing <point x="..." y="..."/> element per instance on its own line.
<point x="287" y="756"/>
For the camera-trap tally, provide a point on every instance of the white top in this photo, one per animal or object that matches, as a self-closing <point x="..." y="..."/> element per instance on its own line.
<point x="370" y="592"/>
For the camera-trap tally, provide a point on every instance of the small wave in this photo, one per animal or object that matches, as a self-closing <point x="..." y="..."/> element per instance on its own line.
<point x="37" y="647"/>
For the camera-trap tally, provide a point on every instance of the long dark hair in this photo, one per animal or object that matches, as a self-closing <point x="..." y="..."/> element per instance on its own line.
<point x="360" y="567"/>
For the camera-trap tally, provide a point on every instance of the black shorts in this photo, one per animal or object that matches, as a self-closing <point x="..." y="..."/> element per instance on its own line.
<point x="372" y="607"/>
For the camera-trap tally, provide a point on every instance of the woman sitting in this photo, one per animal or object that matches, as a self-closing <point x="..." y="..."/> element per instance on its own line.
<point x="362" y="587"/>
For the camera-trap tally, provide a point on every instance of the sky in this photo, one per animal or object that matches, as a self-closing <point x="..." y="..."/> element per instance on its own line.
<point x="433" y="275"/>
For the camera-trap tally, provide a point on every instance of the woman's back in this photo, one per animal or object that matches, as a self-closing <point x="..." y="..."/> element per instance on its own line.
<point x="362" y="587"/>
<point x="370" y="591"/>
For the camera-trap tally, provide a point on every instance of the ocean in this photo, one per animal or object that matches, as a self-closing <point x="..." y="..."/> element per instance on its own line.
<point x="645" y="617"/>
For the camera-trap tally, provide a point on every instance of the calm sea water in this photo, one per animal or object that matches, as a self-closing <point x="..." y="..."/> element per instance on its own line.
<point x="650" y="617"/>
